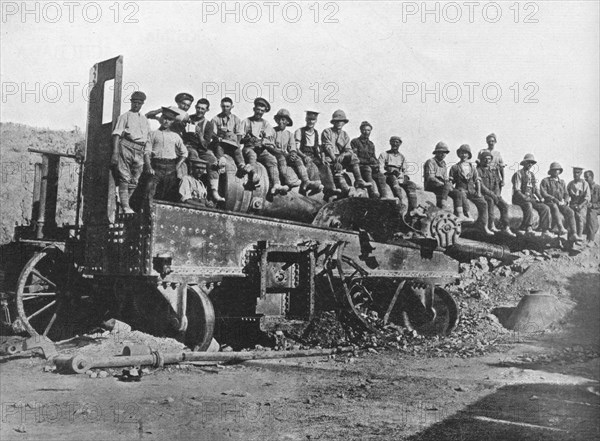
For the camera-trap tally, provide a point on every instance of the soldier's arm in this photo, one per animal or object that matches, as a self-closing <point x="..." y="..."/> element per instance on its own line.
<point x="153" y="114"/>
<point x="327" y="145"/>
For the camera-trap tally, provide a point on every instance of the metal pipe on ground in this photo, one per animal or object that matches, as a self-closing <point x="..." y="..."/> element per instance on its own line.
<point x="80" y="364"/>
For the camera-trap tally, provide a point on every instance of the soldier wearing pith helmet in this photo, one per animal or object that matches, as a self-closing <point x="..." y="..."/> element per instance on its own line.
<point x="554" y="191"/>
<point x="129" y="138"/>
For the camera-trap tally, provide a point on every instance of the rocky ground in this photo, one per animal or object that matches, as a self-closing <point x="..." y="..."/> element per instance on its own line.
<point x="481" y="382"/>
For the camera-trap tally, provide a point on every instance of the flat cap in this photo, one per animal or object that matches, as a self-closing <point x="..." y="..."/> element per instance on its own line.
<point x="491" y="135"/>
<point x="577" y="168"/>
<point x="485" y="154"/>
<point x="183" y="96"/>
<point x="396" y="138"/>
<point x="365" y="124"/>
<point x="138" y="95"/>
<point x="262" y="102"/>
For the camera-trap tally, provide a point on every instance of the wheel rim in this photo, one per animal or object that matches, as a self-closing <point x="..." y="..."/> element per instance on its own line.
<point x="444" y="320"/>
<point x="201" y="319"/>
<point x="40" y="292"/>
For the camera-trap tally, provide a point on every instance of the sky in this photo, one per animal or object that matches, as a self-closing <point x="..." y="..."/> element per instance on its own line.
<point x="428" y="72"/>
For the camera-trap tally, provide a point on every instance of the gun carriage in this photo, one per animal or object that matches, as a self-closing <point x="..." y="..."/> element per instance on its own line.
<point x="259" y="263"/>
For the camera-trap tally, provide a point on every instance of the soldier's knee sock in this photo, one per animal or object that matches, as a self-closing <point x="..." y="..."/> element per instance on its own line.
<point x="358" y="179"/>
<point x="124" y="195"/>
<point x="340" y="182"/>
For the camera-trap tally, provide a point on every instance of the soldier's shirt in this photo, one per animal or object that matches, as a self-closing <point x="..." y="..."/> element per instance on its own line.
<point x="579" y="191"/>
<point x="435" y="170"/>
<point x="165" y="144"/>
<point x="365" y="150"/>
<point x="524" y="181"/>
<point x="192" y="188"/>
<point x="497" y="161"/>
<point x="311" y="138"/>
<point x="258" y="127"/>
<point x="490" y="179"/>
<point x="199" y="132"/>
<point x="284" y="140"/>
<point x="133" y="126"/>
<point x="393" y="161"/>
<point x="554" y="187"/>
<point x="227" y="126"/>
<point x="335" y="141"/>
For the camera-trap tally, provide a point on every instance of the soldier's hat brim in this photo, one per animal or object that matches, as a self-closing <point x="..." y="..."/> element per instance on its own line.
<point x="183" y="96"/>
<point x="167" y="112"/>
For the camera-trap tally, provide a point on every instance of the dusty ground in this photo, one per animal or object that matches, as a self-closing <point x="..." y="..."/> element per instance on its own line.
<point x="525" y="386"/>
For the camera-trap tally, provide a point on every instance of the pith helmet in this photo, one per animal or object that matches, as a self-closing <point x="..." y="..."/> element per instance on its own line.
<point x="555" y="166"/>
<point x="283" y="113"/>
<point x="528" y="158"/>
<point x="465" y="148"/>
<point x="338" y="115"/>
<point x="441" y="147"/>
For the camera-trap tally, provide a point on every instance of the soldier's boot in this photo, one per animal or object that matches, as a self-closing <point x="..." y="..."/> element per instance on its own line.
<point x="304" y="179"/>
<point x="460" y="214"/>
<point x="276" y="187"/>
<point x="373" y="190"/>
<point x="359" y="182"/>
<point x="413" y="205"/>
<point x="124" y="198"/>
<point x="386" y="193"/>
<point x="340" y="182"/>
<point x="214" y="191"/>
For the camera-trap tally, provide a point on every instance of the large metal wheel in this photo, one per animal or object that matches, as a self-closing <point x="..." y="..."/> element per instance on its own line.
<point x="200" y="316"/>
<point x="436" y="317"/>
<point x="40" y="292"/>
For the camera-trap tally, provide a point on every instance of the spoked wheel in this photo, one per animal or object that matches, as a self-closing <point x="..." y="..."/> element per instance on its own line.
<point x="40" y="293"/>
<point x="200" y="319"/>
<point x="439" y="316"/>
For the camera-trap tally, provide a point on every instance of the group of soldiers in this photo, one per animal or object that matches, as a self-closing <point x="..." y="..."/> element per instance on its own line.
<point x="182" y="161"/>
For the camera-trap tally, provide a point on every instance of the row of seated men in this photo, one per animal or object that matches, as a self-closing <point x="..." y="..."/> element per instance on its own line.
<point x="314" y="164"/>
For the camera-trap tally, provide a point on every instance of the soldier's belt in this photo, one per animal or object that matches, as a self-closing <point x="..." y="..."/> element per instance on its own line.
<point x="138" y="146"/>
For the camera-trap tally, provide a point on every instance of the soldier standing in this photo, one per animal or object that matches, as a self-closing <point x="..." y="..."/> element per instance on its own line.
<point x="528" y="197"/>
<point x="579" y="195"/>
<point x="364" y="149"/>
<point x="554" y="192"/>
<point x="129" y="139"/>
<point x="466" y="180"/>
<point x="184" y="101"/>
<point x="594" y="207"/>
<point x="393" y="163"/>
<point x="490" y="187"/>
<point x="497" y="163"/>
<point x="163" y="156"/>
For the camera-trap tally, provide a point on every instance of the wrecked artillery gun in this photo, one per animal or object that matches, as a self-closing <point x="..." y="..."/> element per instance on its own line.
<point x="257" y="265"/>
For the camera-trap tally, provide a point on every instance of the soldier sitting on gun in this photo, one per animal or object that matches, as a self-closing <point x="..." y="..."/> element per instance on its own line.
<point x="435" y="176"/>
<point x="309" y="150"/>
<point x="227" y="134"/>
<point x="198" y="137"/>
<point x="491" y="189"/>
<point x="393" y="164"/>
<point x="338" y="153"/>
<point x="579" y="195"/>
<point x="191" y="188"/>
<point x="554" y="191"/>
<point x="594" y="207"/>
<point x="528" y="197"/>
<point x="164" y="155"/>
<point x="364" y="149"/>
<point x="129" y="139"/>
<point x="258" y="140"/>
<point x="285" y="153"/>
<point x="466" y="180"/>
<point x="184" y="102"/>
